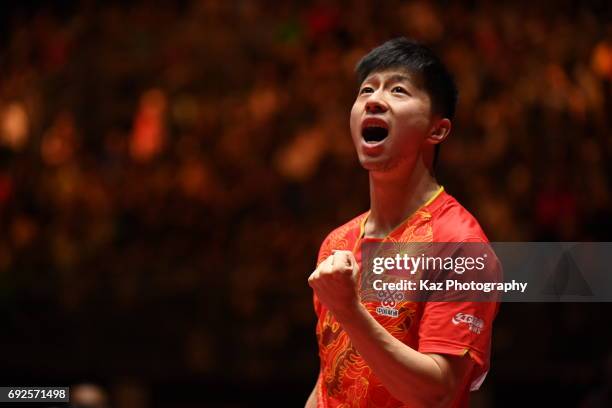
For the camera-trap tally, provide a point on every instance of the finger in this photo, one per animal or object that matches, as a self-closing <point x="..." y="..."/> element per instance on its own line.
<point x="340" y="256"/>
<point x="336" y="262"/>
<point x="313" y="277"/>
<point x="352" y="260"/>
<point x="341" y="259"/>
<point x="326" y="266"/>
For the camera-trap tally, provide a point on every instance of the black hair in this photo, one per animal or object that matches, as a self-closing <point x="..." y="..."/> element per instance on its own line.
<point x="416" y="58"/>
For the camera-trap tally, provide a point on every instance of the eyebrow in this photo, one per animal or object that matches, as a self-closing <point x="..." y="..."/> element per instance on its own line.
<point x="392" y="78"/>
<point x="398" y="78"/>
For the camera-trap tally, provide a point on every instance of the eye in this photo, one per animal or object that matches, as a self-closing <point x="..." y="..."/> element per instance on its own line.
<point x="366" y="89"/>
<point x="399" y="89"/>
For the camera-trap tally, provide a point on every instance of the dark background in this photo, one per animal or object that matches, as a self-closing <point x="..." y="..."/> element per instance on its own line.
<point x="169" y="169"/>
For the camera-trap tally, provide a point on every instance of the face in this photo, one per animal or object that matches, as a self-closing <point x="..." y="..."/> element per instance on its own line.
<point x="391" y="120"/>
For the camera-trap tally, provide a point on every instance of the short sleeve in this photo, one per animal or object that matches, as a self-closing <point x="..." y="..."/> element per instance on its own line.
<point x="461" y="326"/>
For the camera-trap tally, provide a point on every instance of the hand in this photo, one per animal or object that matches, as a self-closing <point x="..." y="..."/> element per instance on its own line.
<point x="335" y="283"/>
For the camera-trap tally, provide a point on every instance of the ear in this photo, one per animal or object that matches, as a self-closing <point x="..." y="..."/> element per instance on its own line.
<point x="439" y="131"/>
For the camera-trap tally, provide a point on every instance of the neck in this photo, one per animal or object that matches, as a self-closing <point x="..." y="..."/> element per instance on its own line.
<point x="394" y="196"/>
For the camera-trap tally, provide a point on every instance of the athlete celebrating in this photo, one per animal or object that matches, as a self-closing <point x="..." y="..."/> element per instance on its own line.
<point x="428" y="354"/>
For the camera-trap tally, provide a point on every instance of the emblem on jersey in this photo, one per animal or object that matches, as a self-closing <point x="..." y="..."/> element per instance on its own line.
<point x="475" y="324"/>
<point x="388" y="301"/>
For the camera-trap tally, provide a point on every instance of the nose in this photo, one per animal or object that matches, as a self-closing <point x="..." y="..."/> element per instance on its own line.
<point x="375" y="105"/>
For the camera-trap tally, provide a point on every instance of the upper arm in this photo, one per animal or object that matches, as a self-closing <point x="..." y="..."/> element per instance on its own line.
<point x="454" y="370"/>
<point x="458" y="326"/>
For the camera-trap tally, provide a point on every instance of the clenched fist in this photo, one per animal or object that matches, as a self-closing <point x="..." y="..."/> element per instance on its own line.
<point x="335" y="283"/>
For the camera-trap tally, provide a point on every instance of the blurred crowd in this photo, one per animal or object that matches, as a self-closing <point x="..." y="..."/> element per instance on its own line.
<point x="168" y="171"/>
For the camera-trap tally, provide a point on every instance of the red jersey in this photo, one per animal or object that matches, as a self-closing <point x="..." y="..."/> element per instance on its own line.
<point x="345" y="379"/>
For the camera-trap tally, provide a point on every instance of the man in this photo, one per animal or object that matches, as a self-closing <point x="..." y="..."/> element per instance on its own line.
<point x="424" y="356"/>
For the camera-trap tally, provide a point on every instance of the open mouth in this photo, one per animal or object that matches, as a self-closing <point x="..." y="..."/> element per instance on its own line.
<point x="374" y="134"/>
<point x="374" y="130"/>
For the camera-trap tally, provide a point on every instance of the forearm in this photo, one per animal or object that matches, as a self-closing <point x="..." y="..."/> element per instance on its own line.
<point x="412" y="377"/>
<point x="415" y="378"/>
<point x="311" y="402"/>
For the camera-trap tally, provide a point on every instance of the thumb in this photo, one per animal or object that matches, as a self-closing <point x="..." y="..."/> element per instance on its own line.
<point x="351" y="259"/>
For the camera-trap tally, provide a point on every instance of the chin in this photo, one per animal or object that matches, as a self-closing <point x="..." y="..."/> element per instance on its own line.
<point x="387" y="164"/>
<point x="376" y="165"/>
